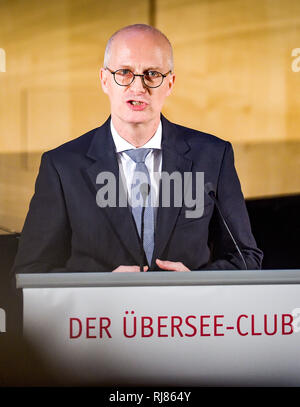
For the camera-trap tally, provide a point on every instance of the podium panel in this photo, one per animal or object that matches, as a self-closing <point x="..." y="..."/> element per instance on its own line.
<point x="166" y="329"/>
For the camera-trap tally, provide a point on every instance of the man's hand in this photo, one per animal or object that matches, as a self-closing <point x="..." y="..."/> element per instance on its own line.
<point x="171" y="265"/>
<point x="129" y="269"/>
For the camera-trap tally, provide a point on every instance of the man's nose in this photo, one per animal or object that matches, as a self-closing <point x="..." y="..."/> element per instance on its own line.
<point x="138" y="84"/>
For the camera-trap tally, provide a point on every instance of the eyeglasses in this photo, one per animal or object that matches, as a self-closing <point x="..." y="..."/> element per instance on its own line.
<point x="151" y="79"/>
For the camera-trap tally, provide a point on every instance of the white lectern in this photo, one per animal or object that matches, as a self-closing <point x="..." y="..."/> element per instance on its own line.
<point x="223" y="328"/>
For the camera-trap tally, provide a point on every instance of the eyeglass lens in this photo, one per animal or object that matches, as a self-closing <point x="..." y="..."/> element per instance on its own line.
<point x="125" y="77"/>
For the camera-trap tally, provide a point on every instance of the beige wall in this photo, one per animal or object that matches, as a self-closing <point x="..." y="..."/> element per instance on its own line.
<point x="234" y="79"/>
<point x="233" y="63"/>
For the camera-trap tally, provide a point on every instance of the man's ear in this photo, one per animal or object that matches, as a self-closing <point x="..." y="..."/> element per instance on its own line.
<point x="171" y="81"/>
<point x="103" y="79"/>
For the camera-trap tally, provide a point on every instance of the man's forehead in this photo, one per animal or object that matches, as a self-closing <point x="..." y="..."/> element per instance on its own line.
<point x="139" y="41"/>
<point x="139" y="35"/>
<point x="134" y="50"/>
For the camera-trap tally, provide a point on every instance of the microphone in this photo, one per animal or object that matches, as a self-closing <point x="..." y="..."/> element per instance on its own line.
<point x="145" y="191"/>
<point x="210" y="190"/>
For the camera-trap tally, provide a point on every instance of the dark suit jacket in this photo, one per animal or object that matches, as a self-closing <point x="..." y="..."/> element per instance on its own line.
<point x="65" y="229"/>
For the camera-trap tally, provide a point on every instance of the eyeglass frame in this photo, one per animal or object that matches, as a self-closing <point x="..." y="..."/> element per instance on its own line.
<point x="142" y="75"/>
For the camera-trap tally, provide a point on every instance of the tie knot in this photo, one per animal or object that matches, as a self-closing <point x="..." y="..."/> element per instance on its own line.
<point x="138" y="155"/>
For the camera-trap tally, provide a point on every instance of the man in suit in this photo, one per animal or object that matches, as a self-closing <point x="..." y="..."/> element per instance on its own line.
<point x="67" y="229"/>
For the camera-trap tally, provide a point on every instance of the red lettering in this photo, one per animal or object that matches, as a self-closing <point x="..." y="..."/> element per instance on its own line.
<point x="125" y="326"/>
<point x="203" y="325"/>
<point x="238" y="325"/>
<point x="177" y="326"/>
<point x="265" y="325"/>
<point x="72" y="336"/>
<point x="216" y="325"/>
<point x="289" y="324"/>
<point x="160" y="325"/>
<point x="149" y="326"/>
<point x="190" y="325"/>
<point x="88" y="327"/>
<point x="104" y="327"/>
<point x="252" y="326"/>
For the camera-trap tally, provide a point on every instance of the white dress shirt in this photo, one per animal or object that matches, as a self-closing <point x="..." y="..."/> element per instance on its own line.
<point x="153" y="161"/>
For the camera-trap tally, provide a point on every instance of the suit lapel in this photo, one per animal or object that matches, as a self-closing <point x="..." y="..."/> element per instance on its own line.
<point x="174" y="148"/>
<point x="102" y="151"/>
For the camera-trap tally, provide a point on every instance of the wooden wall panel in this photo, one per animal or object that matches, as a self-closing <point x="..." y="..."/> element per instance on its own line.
<point x="233" y="79"/>
<point x="50" y="92"/>
<point x="56" y="45"/>
<point x="265" y="168"/>
<point x="233" y="64"/>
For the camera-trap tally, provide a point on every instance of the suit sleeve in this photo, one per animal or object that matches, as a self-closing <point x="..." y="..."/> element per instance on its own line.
<point x="229" y="194"/>
<point x="45" y="239"/>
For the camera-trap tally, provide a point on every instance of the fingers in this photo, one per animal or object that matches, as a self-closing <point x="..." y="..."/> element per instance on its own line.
<point x="171" y="265"/>
<point x="162" y="264"/>
<point x="165" y="264"/>
<point x="129" y="269"/>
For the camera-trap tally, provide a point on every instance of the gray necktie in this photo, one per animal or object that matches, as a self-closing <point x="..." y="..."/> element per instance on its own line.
<point x="141" y="176"/>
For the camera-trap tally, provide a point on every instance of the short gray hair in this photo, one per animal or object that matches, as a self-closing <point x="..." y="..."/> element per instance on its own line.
<point x="137" y="27"/>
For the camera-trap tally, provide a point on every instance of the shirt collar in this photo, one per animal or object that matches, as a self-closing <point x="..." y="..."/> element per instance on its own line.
<point x="122" y="145"/>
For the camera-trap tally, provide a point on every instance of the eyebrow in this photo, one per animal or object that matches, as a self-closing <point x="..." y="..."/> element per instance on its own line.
<point x="151" y="68"/>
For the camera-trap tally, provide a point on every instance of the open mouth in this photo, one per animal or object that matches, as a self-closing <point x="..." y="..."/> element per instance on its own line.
<point x="136" y="104"/>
